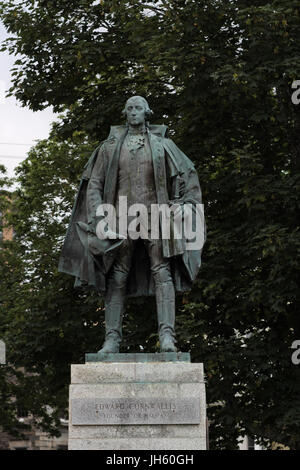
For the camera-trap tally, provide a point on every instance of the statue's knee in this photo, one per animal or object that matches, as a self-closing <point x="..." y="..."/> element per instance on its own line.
<point x="118" y="278"/>
<point x="161" y="275"/>
<point x="120" y="281"/>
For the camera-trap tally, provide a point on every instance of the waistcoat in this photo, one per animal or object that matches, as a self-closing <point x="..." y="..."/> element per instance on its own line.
<point x="135" y="174"/>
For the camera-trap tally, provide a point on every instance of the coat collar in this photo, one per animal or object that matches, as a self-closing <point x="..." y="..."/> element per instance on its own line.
<point x="117" y="132"/>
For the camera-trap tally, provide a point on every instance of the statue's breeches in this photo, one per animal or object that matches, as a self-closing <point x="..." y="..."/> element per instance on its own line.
<point x="117" y="282"/>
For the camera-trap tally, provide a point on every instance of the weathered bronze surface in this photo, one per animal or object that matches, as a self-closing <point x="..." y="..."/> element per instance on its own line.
<point x="137" y="161"/>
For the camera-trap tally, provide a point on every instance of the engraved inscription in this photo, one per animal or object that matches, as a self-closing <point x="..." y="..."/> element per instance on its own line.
<point x="101" y="411"/>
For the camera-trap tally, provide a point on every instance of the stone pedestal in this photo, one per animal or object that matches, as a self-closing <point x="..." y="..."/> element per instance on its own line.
<point x="141" y="402"/>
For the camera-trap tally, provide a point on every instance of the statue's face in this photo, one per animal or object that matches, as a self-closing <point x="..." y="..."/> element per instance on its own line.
<point x="135" y="111"/>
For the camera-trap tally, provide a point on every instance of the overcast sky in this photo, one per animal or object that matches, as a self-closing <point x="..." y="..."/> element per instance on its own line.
<point x="18" y="125"/>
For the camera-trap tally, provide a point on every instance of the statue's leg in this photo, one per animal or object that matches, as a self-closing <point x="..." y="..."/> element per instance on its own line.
<point x="165" y="295"/>
<point x="115" y="299"/>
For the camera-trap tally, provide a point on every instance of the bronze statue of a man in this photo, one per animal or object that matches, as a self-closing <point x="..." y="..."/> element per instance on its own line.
<point x="137" y="162"/>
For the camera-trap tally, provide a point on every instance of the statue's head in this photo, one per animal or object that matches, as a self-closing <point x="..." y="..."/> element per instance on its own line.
<point x="137" y="110"/>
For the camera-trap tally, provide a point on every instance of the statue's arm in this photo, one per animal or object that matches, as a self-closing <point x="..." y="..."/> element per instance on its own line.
<point x="192" y="191"/>
<point x="96" y="186"/>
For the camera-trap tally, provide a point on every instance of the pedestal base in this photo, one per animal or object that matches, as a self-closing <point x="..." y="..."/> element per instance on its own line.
<point x="137" y="405"/>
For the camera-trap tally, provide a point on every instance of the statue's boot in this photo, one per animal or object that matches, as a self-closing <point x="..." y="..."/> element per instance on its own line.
<point x="167" y="343"/>
<point x="110" y="345"/>
<point x="165" y="302"/>
<point x="113" y="325"/>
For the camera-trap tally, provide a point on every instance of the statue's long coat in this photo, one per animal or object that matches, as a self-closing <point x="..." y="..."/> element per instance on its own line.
<point x="169" y="165"/>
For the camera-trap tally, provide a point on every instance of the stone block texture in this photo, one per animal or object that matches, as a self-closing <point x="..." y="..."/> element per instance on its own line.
<point x="131" y="382"/>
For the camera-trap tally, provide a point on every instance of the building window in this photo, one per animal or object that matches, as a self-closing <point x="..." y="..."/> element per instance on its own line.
<point x="21" y="412"/>
<point x="251" y="443"/>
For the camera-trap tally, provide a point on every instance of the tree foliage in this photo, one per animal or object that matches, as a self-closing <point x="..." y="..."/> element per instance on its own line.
<point x="219" y="74"/>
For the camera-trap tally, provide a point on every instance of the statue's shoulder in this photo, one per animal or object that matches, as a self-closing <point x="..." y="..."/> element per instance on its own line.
<point x="96" y="156"/>
<point x="158" y="130"/>
<point x="116" y="133"/>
